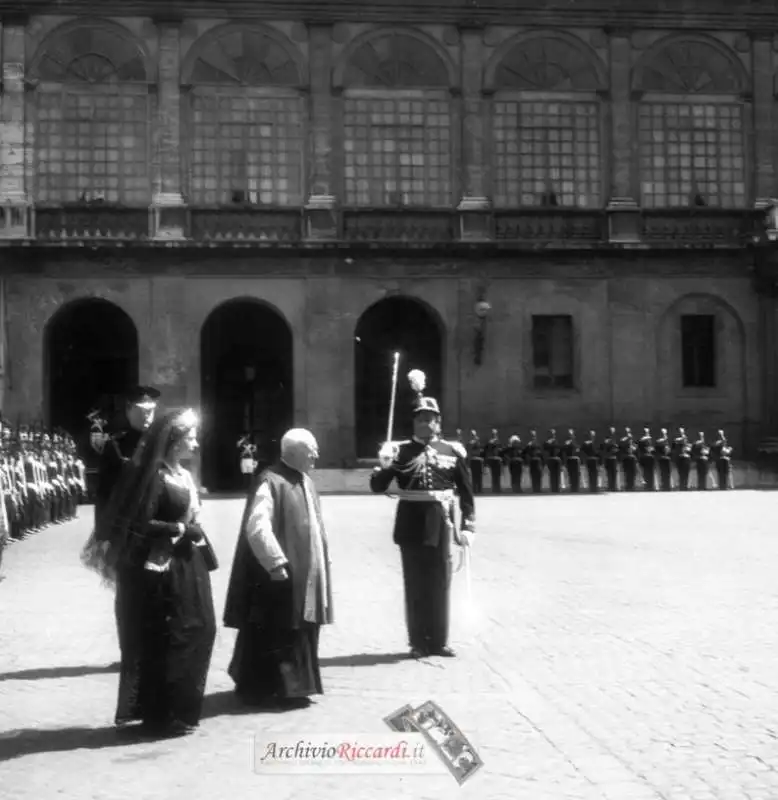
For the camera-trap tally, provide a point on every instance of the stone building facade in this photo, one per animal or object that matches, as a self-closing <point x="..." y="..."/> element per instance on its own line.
<point x="253" y="206"/>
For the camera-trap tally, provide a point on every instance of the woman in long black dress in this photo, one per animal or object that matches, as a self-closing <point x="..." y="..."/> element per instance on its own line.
<point x="162" y="560"/>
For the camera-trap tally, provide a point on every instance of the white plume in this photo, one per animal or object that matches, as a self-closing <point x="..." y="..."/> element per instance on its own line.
<point x="417" y="379"/>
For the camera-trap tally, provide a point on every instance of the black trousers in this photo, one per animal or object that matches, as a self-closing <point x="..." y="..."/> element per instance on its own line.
<point x="724" y="468"/>
<point x="684" y="468"/>
<point x="536" y="475"/>
<point x="703" y="467"/>
<point x="495" y="469"/>
<point x="427" y="578"/>
<point x="665" y="474"/>
<point x="554" y="474"/>
<point x="648" y="465"/>
<point x="574" y="473"/>
<point x="516" y="469"/>
<point x="630" y="473"/>
<point x="592" y="470"/>
<point x="611" y="470"/>
<point x="477" y="474"/>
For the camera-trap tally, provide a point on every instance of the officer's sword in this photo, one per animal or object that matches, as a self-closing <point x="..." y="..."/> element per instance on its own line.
<point x="393" y="398"/>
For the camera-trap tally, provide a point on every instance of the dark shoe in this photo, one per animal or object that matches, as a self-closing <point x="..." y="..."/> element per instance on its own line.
<point x="177" y="728"/>
<point x="444" y="652"/>
<point x="418" y="653"/>
<point x="292" y="703"/>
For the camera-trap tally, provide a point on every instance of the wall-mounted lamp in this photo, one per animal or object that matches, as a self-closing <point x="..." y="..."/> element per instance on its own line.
<point x="481" y="309"/>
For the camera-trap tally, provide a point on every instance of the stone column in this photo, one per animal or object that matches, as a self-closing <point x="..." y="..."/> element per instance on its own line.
<point x="168" y="213"/>
<point x="618" y="147"/>
<point x="474" y="206"/>
<point x="763" y="170"/>
<point x="15" y="220"/>
<point x="320" y="217"/>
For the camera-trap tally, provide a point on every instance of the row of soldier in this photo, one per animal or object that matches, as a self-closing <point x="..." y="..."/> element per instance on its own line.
<point x="618" y="462"/>
<point x="42" y="478"/>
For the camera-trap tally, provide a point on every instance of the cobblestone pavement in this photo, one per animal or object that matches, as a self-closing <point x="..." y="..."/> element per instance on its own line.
<point x="626" y="650"/>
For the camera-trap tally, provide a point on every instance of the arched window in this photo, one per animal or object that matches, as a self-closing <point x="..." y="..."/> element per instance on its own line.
<point x="397" y="125"/>
<point x="247" y="120"/>
<point x="690" y="127"/>
<point x="546" y="126"/>
<point x="92" y="109"/>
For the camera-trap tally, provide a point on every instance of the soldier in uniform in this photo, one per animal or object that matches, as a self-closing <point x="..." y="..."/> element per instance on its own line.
<point x="431" y="474"/>
<point x="140" y="405"/>
<point x="700" y="456"/>
<point x="683" y="455"/>
<point x="515" y="458"/>
<point x="664" y="450"/>
<point x="475" y="461"/>
<point x="646" y="459"/>
<point x="592" y="461"/>
<point x="721" y="455"/>
<point x="571" y="453"/>
<point x="533" y="457"/>
<point x="248" y="458"/>
<point x="610" y="458"/>
<point x="553" y="451"/>
<point x="494" y="460"/>
<point x="629" y="460"/>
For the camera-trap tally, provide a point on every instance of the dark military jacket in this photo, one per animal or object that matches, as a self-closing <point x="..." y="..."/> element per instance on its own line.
<point x="552" y="448"/>
<point x="721" y="450"/>
<point x="589" y="449"/>
<point x="570" y="449"/>
<point x="663" y="447"/>
<point x="610" y="448"/>
<point x="475" y="450"/>
<point x="118" y="450"/>
<point x="646" y="446"/>
<point x="438" y="465"/>
<point x="493" y="450"/>
<point x="533" y="451"/>
<point x="682" y="447"/>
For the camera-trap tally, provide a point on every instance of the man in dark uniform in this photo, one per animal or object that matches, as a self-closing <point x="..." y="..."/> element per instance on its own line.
<point x="664" y="449"/>
<point x="494" y="460"/>
<point x="700" y="455"/>
<point x="646" y="457"/>
<point x="533" y="457"/>
<point x="571" y="453"/>
<point x="431" y="475"/>
<point x="721" y="454"/>
<point x="140" y="405"/>
<point x="683" y="457"/>
<point x="515" y="458"/>
<point x="629" y="460"/>
<point x="610" y="458"/>
<point x="475" y="460"/>
<point x="553" y="453"/>
<point x="592" y="461"/>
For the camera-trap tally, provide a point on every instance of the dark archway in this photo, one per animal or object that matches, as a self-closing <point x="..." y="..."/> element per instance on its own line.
<point x="394" y="324"/>
<point x="246" y="352"/>
<point x="91" y="357"/>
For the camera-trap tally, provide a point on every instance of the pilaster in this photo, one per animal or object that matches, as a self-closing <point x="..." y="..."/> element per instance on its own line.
<point x="764" y="148"/>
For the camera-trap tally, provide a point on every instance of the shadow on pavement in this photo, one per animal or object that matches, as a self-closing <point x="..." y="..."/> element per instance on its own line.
<point x="45" y="673"/>
<point x="364" y="660"/>
<point x="31" y="741"/>
<point x="228" y="703"/>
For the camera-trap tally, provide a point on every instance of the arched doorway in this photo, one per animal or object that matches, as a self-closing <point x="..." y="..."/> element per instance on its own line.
<point x="394" y="324"/>
<point x="91" y="354"/>
<point x="246" y="365"/>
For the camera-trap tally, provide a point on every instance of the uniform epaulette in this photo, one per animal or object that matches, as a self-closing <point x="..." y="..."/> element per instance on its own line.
<point x="459" y="449"/>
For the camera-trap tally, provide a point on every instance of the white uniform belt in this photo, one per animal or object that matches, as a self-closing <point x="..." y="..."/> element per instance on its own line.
<point x="425" y="495"/>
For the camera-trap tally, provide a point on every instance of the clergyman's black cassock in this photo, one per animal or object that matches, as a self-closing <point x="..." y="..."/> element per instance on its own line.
<point x="422" y="534"/>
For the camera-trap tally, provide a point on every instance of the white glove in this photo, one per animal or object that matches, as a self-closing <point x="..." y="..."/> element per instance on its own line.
<point x="387" y="454"/>
<point x="466" y="538"/>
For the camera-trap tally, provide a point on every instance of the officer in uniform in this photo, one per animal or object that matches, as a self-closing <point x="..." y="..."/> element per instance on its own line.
<point x="571" y="453"/>
<point x="494" y="460"/>
<point x="475" y="461"/>
<point x="553" y="453"/>
<point x="431" y="474"/>
<point x="140" y="405"/>
<point x="515" y="459"/>
<point x="683" y="456"/>
<point x="610" y="458"/>
<point x="664" y="450"/>
<point x="721" y="454"/>
<point x="248" y="458"/>
<point x="592" y="461"/>
<point x="533" y="457"/>
<point x="646" y="459"/>
<point x="700" y="456"/>
<point x="629" y="460"/>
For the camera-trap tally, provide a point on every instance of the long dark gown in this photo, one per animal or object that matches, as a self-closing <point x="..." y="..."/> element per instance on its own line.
<point x="168" y="623"/>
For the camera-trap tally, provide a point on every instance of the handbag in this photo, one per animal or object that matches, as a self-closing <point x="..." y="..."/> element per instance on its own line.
<point x="208" y="553"/>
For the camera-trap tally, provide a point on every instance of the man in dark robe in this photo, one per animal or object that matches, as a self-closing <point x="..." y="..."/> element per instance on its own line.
<point x="280" y="592"/>
<point x="140" y="406"/>
<point x="430" y="473"/>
